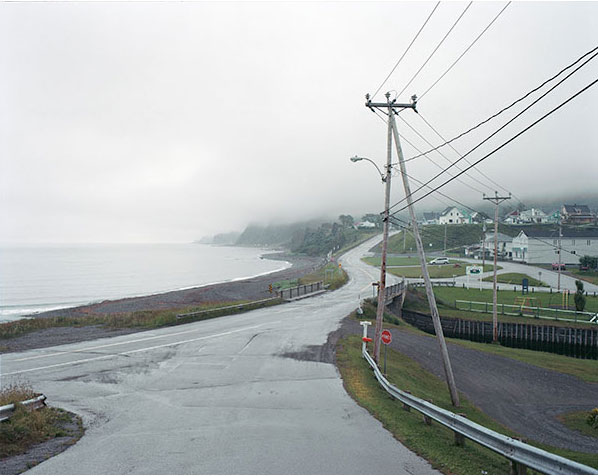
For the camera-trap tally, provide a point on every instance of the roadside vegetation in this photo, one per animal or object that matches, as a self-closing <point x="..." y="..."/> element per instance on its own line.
<point x="435" y="443"/>
<point x="26" y="428"/>
<point x="585" y="422"/>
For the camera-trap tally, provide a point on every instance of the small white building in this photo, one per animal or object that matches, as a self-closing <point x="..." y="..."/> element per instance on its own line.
<point x="454" y="216"/>
<point x="430" y="218"/>
<point x="504" y="242"/>
<point x="365" y="225"/>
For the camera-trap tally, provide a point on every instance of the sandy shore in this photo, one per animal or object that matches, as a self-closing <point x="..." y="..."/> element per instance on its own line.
<point x="247" y="289"/>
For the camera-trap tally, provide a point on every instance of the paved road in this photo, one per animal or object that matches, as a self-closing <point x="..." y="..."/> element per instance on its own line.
<point x="218" y="397"/>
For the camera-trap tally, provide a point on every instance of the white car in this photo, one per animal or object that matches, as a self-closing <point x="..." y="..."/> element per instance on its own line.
<point x="440" y="261"/>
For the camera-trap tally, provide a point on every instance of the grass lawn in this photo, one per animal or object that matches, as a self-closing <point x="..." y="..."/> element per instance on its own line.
<point x="516" y="278"/>
<point x="578" y="421"/>
<point x="436" y="271"/>
<point x="435" y="443"/>
<point x="399" y="260"/>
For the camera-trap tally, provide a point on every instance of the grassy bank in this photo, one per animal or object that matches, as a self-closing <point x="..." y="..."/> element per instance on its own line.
<point x="445" y="297"/>
<point x="27" y="428"/>
<point x="507" y="296"/>
<point x="333" y="276"/>
<point x="434" y="443"/>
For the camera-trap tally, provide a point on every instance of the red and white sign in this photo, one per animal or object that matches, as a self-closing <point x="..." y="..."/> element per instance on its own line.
<point x="386" y="337"/>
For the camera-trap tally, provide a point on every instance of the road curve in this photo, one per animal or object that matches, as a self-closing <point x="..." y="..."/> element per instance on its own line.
<point x="218" y="396"/>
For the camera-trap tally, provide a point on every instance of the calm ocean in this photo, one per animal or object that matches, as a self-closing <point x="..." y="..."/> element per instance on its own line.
<point x="40" y="278"/>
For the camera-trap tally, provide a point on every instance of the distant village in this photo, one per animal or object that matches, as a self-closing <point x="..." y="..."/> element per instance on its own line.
<point x="527" y="236"/>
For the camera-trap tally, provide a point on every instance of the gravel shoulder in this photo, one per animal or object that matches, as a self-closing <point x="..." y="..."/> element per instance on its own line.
<point x="246" y="289"/>
<point x="521" y="396"/>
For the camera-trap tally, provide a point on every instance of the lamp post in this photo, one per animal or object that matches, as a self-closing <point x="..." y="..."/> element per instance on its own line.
<point x="385" y="224"/>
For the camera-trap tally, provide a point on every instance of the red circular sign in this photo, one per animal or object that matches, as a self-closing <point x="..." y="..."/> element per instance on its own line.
<point x="386" y="337"/>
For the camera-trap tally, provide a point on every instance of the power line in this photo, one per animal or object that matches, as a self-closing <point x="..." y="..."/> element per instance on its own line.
<point x="504" y="125"/>
<point x="552" y="111"/>
<point x="510" y="105"/>
<point x="466" y="50"/>
<point x="467" y="161"/>
<point x="408" y="48"/>
<point x="437" y="46"/>
<point x="444" y="156"/>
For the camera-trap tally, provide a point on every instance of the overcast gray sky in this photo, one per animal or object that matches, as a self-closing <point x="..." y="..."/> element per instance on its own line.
<point x="164" y="122"/>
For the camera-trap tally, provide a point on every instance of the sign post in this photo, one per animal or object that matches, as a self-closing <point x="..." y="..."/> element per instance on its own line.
<point x="386" y="338"/>
<point x="476" y="272"/>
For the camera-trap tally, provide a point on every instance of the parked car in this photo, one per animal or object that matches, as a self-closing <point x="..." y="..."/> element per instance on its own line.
<point x="556" y="266"/>
<point x="441" y="260"/>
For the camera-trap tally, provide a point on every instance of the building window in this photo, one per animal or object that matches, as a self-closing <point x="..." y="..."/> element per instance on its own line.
<point x="589" y="242"/>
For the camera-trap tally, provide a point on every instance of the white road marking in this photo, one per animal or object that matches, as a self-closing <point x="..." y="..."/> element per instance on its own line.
<point x="91" y="359"/>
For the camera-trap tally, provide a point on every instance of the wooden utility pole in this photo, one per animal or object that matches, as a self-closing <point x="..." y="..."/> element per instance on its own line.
<point x="385" y="223"/>
<point x="448" y="370"/>
<point x="496" y="200"/>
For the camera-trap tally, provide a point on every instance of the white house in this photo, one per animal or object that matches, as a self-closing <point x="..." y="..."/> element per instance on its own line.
<point x="454" y="216"/>
<point x="541" y="246"/>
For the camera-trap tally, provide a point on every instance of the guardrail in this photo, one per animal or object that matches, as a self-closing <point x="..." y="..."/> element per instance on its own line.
<point x="6" y="411"/>
<point x="529" y="311"/>
<point x="521" y="454"/>
<point x="235" y="306"/>
<point x="301" y="290"/>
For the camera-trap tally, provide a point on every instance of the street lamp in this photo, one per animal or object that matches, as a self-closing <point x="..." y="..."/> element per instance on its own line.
<point x="385" y="222"/>
<point x="357" y="159"/>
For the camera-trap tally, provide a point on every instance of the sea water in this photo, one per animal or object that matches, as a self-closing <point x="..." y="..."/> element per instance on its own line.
<point x="35" y="278"/>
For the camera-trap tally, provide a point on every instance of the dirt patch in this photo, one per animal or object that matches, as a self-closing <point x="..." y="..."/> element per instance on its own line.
<point x="71" y="427"/>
